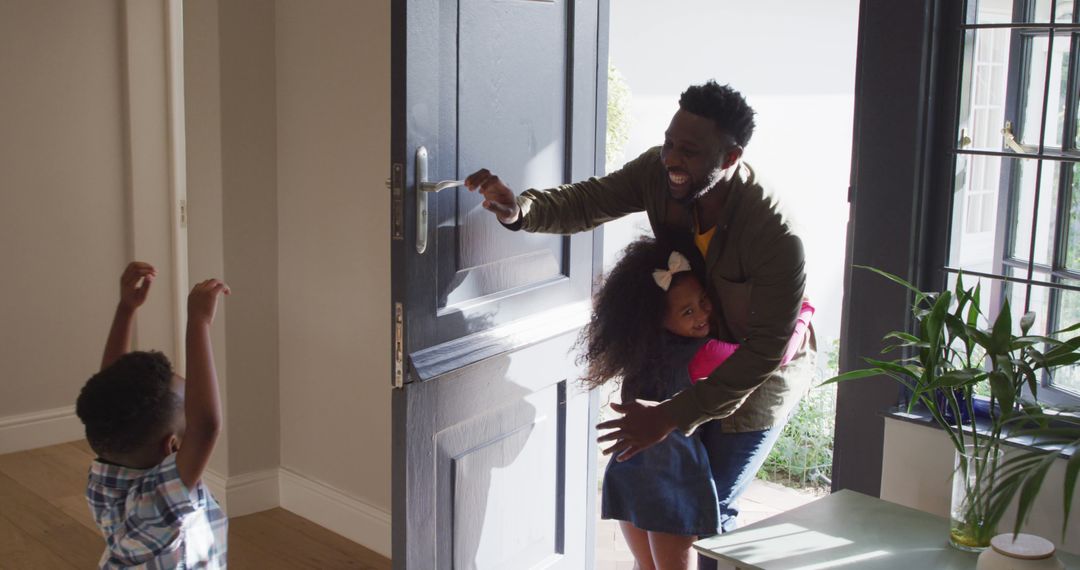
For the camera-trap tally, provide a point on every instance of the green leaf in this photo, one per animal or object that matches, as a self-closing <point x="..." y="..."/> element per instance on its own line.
<point x="853" y="375"/>
<point x="961" y="377"/>
<point x="974" y="311"/>
<point x="1071" y="328"/>
<point x="1038" y="339"/>
<point x="1032" y="483"/>
<point x="903" y="336"/>
<point x="1002" y="333"/>
<point x="919" y="295"/>
<point x="900" y="369"/>
<point x="1002" y="390"/>
<point x="1062" y="360"/>
<point x="1072" y="469"/>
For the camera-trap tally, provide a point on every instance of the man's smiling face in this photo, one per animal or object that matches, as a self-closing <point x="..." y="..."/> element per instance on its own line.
<point x="695" y="154"/>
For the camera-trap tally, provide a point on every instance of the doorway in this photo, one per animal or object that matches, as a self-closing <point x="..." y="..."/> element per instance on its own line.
<point x="795" y="63"/>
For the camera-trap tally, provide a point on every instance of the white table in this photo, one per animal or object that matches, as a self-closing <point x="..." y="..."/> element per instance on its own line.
<point x="845" y="530"/>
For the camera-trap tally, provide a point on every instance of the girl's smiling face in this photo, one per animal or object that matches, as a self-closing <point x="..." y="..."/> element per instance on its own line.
<point x="688" y="308"/>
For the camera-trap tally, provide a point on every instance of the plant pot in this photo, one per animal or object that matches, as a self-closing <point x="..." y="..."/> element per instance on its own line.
<point x="969" y="528"/>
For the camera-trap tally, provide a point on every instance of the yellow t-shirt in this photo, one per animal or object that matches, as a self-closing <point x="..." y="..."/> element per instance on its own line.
<point x="702" y="240"/>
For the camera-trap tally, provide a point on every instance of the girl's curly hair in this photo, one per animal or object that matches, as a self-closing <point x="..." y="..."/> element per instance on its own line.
<point x="625" y="334"/>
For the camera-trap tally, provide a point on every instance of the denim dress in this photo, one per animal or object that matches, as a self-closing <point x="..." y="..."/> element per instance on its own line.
<point x="668" y="487"/>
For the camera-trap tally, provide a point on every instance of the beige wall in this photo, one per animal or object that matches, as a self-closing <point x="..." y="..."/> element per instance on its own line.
<point x="202" y="84"/>
<point x="83" y="147"/>
<point x="917" y="468"/>
<point x="249" y="221"/>
<point x="62" y="174"/>
<point x="287" y="148"/>
<point x="333" y="77"/>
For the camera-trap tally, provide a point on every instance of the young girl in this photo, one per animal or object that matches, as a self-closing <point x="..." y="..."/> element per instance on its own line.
<point x="650" y="325"/>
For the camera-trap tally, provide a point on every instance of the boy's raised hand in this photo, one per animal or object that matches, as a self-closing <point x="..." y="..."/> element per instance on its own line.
<point x="135" y="284"/>
<point x="202" y="404"/>
<point x="202" y="301"/>
<point x="134" y="288"/>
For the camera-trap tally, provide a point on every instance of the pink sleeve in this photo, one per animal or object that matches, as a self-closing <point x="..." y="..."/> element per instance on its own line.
<point x="708" y="357"/>
<point x="715" y="352"/>
<point x="802" y="324"/>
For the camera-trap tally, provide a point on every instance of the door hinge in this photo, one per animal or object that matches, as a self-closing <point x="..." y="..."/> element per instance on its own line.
<point x="397" y="201"/>
<point x="183" y="213"/>
<point x="399" y="345"/>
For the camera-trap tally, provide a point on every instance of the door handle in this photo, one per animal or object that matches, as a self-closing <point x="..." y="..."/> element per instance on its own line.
<point x="423" y="188"/>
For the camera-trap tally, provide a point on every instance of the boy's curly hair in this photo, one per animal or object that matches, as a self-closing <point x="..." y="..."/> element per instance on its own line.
<point x="625" y="334"/>
<point x="128" y="405"/>
<point x="724" y="105"/>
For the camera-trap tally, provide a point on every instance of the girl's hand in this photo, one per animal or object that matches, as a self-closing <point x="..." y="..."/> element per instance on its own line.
<point x="135" y="284"/>
<point x="202" y="302"/>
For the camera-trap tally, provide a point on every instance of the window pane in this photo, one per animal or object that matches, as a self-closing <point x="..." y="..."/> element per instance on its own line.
<point x="975" y="212"/>
<point x="1072" y="235"/>
<point x="990" y="12"/>
<point x="983" y="86"/>
<point x="1059" y="90"/>
<point x="1028" y="126"/>
<point x="1024" y="210"/>
<point x="1068" y="314"/>
<point x="1017" y="293"/>
<point x="1062" y="8"/>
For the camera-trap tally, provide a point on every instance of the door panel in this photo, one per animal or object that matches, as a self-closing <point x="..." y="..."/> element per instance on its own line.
<point x="506" y="475"/>
<point x="494" y="463"/>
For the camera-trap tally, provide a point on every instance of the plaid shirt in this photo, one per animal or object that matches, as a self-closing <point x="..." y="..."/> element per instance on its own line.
<point x="150" y="520"/>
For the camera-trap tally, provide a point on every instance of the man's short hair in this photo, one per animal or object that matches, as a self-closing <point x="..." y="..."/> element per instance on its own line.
<point x="724" y="105"/>
<point x="129" y="404"/>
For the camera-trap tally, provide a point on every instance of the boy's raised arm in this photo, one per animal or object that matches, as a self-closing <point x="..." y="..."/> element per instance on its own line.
<point x="202" y="407"/>
<point x="134" y="287"/>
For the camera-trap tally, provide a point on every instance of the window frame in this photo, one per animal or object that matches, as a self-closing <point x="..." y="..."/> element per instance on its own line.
<point x="1021" y="63"/>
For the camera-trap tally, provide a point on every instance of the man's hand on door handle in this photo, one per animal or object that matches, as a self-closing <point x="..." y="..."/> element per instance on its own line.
<point x="498" y="197"/>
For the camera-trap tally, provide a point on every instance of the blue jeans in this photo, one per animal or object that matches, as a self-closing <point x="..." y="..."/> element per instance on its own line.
<point x="734" y="459"/>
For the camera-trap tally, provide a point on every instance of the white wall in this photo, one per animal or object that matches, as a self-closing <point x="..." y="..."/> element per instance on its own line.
<point x="795" y="63"/>
<point x="85" y="175"/>
<point x="916" y="471"/>
<point x="333" y="115"/>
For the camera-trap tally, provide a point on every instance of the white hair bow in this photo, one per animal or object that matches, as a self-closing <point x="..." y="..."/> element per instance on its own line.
<point x="677" y="263"/>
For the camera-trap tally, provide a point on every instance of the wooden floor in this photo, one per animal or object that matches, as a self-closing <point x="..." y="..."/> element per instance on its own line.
<point x="45" y="523"/>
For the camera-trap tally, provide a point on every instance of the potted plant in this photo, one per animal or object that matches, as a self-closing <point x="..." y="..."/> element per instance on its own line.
<point x="955" y="352"/>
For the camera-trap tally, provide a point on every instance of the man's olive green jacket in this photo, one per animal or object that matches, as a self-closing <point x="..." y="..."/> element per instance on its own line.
<point x="755" y="267"/>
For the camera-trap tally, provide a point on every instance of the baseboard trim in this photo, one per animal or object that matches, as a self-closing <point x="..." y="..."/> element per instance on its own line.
<point x="39" y="429"/>
<point x="252" y="492"/>
<point x="244" y="494"/>
<point x="217" y="483"/>
<point x="336" y="511"/>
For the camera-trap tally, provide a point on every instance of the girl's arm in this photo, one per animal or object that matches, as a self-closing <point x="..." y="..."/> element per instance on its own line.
<point x="715" y="352"/>
<point x="708" y="357"/>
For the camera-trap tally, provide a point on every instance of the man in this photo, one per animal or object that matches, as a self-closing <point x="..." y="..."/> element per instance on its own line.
<point x="697" y="183"/>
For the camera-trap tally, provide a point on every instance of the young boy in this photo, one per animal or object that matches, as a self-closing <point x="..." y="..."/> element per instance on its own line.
<point x="153" y="441"/>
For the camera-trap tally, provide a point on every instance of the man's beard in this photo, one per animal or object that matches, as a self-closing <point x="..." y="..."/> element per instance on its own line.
<point x="715" y="178"/>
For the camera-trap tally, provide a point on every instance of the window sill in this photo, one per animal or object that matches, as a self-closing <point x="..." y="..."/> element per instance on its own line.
<point x="920" y="416"/>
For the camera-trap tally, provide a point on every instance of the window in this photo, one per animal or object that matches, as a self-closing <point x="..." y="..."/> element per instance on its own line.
<point x="1016" y="190"/>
